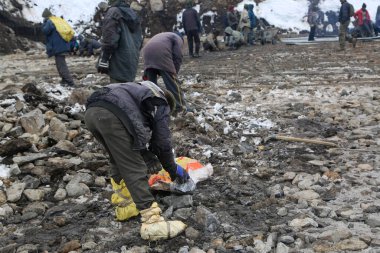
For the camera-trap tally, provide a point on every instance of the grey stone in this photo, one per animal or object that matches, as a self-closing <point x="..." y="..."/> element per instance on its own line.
<point x="14" y="192"/>
<point x="373" y="220"/>
<point x="29" y="248"/>
<point x="196" y="250"/>
<point x="301" y="223"/>
<point x="6" y="211"/>
<point x="204" y="217"/>
<point x="282" y="211"/>
<point x="31" y="182"/>
<point x="192" y="233"/>
<point x="60" y="194"/>
<point x="33" y="121"/>
<point x="28" y="216"/>
<point x="34" y="194"/>
<point x="28" y="158"/>
<point x="57" y="130"/>
<point x="282" y="248"/>
<point x="75" y="124"/>
<point x="65" y="147"/>
<point x="351" y="244"/>
<point x="261" y="247"/>
<point x="89" y="245"/>
<point x="76" y="189"/>
<point x="11" y="248"/>
<point x="100" y="181"/>
<point x="14" y="170"/>
<point x="287" y="239"/>
<point x="306" y="195"/>
<point x="335" y="235"/>
<point x="36" y="207"/>
<point x="178" y="201"/>
<point x="183" y="213"/>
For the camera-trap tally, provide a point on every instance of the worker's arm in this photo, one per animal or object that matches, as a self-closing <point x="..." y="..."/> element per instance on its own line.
<point x="111" y="31"/>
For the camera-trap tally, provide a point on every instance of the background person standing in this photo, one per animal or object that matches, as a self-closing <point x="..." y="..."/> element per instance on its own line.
<point x="344" y="20"/>
<point x="121" y="43"/>
<point x="192" y="27"/>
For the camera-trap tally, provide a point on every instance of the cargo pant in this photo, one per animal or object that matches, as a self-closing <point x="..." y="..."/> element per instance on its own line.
<point x="171" y="83"/>
<point x="126" y="163"/>
<point x="63" y="70"/>
<point x="342" y="33"/>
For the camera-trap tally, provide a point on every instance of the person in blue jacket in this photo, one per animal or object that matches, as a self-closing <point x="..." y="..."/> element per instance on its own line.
<point x="56" y="46"/>
<point x="252" y="22"/>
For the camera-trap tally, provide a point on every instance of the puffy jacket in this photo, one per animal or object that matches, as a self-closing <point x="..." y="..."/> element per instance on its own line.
<point x="359" y="15"/>
<point x="144" y="112"/>
<point x="344" y="13"/>
<point x="122" y="39"/>
<point x="190" y="20"/>
<point x="55" y="45"/>
<point x="164" y="52"/>
<point x="251" y="16"/>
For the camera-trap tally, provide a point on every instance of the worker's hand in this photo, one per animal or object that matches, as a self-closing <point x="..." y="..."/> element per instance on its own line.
<point x="151" y="162"/>
<point x="103" y="64"/>
<point x="181" y="175"/>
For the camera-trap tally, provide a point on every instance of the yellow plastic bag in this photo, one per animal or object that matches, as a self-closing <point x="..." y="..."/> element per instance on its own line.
<point x="63" y="28"/>
<point x="125" y="207"/>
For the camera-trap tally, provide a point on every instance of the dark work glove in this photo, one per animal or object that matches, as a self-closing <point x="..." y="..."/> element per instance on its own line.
<point x="103" y="64"/>
<point x="151" y="162"/>
<point x="180" y="175"/>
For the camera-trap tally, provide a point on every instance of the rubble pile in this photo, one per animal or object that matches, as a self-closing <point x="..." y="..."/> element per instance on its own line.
<point x="266" y="195"/>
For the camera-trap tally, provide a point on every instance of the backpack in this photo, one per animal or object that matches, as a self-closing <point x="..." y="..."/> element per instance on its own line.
<point x="63" y="28"/>
<point x="352" y="10"/>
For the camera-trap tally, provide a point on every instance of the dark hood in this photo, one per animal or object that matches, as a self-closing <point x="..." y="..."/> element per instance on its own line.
<point x="130" y="17"/>
<point x="250" y="7"/>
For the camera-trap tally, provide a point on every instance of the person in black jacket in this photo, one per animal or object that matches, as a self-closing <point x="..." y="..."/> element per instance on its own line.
<point x="344" y="20"/>
<point x="126" y="118"/>
<point x="122" y="39"/>
<point x="192" y="26"/>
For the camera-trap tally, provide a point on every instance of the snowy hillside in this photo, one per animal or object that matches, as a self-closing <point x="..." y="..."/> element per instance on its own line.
<point x="282" y="13"/>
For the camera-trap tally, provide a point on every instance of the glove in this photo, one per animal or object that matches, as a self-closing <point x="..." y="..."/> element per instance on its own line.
<point x="151" y="162"/>
<point x="180" y="176"/>
<point x="103" y="64"/>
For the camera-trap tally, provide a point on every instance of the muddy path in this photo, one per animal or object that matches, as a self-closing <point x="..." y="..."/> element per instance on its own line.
<point x="264" y="196"/>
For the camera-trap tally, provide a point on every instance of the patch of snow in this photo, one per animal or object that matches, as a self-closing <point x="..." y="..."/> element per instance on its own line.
<point x="5" y="171"/>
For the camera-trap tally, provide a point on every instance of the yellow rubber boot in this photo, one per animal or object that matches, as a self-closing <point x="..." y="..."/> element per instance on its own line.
<point x="122" y="199"/>
<point x="154" y="227"/>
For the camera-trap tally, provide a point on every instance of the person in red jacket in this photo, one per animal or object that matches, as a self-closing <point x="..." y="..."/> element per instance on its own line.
<point x="364" y="21"/>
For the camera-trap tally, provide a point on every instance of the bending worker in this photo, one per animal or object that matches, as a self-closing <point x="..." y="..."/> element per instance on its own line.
<point x="126" y="118"/>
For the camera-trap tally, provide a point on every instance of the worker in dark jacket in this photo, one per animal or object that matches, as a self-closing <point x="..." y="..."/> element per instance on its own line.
<point x="312" y="18"/>
<point x="252" y="24"/>
<point x="121" y="43"/>
<point x="192" y="27"/>
<point x="126" y="118"/>
<point x="344" y="20"/>
<point x="163" y="56"/>
<point x="56" y="46"/>
<point x="87" y="45"/>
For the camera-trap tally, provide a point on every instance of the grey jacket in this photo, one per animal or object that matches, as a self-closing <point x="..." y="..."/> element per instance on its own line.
<point x="145" y="113"/>
<point x="164" y="52"/>
<point x="122" y="41"/>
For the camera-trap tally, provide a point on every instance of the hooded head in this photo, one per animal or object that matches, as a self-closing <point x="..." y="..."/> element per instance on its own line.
<point x="246" y="6"/>
<point x="46" y="13"/>
<point x="158" y="91"/>
<point x="103" y="6"/>
<point x="228" y="30"/>
<point x="250" y="7"/>
<point x="364" y="6"/>
<point x="231" y="8"/>
<point x="189" y="4"/>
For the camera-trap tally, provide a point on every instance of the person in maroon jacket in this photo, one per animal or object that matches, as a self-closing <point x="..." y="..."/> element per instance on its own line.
<point x="163" y="57"/>
<point x="192" y="26"/>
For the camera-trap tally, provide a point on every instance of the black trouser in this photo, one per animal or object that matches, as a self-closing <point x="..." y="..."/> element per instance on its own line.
<point x="193" y="36"/>
<point x="63" y="70"/>
<point x="312" y="32"/>
<point x="126" y="163"/>
<point x="171" y="83"/>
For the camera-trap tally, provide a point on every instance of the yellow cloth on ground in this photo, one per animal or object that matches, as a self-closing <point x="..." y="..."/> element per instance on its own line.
<point x="63" y="28"/>
<point x="154" y="227"/>
<point x="125" y="207"/>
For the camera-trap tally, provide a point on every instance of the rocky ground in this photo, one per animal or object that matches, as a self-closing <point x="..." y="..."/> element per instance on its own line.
<point x="265" y="195"/>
